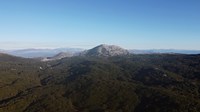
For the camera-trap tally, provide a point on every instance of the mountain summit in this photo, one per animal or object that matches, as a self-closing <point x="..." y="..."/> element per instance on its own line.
<point x="105" y="51"/>
<point x="101" y="50"/>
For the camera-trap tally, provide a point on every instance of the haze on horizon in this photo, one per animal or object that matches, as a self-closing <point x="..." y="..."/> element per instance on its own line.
<point x="132" y="24"/>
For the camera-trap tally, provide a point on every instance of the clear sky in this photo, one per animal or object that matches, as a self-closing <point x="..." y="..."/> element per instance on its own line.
<point x="132" y="24"/>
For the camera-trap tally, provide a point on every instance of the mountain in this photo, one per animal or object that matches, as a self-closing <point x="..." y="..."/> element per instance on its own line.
<point x="58" y="56"/>
<point x="105" y="51"/>
<point x="101" y="50"/>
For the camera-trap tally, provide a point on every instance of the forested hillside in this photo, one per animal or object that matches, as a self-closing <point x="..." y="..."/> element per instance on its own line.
<point x="132" y="83"/>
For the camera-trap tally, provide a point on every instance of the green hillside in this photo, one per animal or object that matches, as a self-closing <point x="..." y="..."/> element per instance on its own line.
<point x="134" y="83"/>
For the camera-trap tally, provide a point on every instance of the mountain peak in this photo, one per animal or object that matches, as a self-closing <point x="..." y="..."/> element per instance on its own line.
<point x="106" y="51"/>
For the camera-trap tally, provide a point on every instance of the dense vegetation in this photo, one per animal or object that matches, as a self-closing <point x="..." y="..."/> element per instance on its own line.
<point x="135" y="83"/>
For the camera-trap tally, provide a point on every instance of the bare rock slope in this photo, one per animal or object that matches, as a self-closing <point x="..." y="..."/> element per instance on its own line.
<point x="105" y="51"/>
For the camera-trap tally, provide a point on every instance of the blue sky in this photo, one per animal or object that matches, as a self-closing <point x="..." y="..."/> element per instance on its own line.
<point x="132" y="24"/>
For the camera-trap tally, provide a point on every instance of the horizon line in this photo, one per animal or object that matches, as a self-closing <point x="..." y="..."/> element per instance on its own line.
<point x="53" y="48"/>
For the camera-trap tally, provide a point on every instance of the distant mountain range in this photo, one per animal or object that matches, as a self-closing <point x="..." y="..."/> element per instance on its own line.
<point x="101" y="50"/>
<point x="168" y="51"/>
<point x="35" y="53"/>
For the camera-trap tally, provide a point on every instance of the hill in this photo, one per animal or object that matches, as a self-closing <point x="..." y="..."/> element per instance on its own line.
<point x="9" y="58"/>
<point x="58" y="56"/>
<point x="131" y="83"/>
